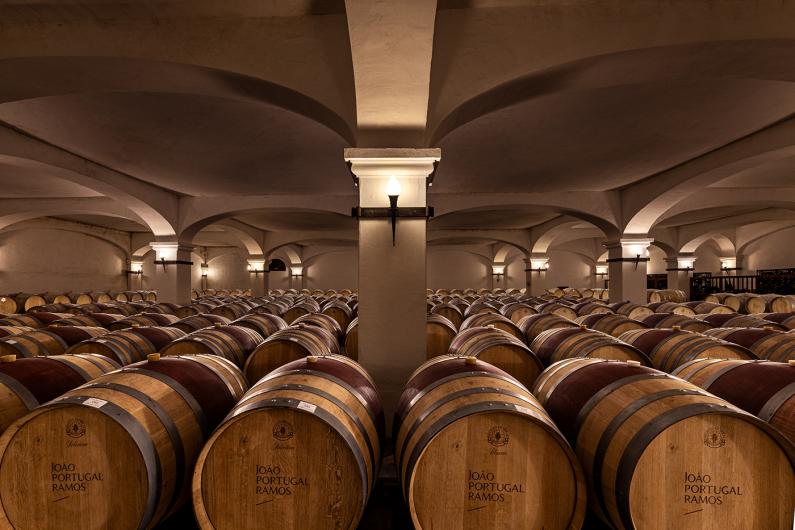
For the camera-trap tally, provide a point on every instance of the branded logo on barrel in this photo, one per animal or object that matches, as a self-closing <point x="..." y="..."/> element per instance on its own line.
<point x="714" y="438"/>
<point x="498" y="436"/>
<point x="75" y="428"/>
<point x="283" y="431"/>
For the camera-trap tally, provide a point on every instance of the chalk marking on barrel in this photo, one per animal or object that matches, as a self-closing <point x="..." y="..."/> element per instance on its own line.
<point x="62" y="498"/>
<point x="694" y="511"/>
<point x="478" y="508"/>
<point x="265" y="502"/>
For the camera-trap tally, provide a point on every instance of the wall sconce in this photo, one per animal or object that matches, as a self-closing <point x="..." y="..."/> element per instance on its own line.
<point x="136" y="267"/>
<point x="686" y="264"/>
<point x="539" y="265"/>
<point x="497" y="271"/>
<point x="205" y="270"/>
<point x="256" y="266"/>
<point x="296" y="271"/>
<point x="728" y="264"/>
<point x="166" y="254"/>
<point x="601" y="269"/>
<point x="637" y="247"/>
<point x="393" y="212"/>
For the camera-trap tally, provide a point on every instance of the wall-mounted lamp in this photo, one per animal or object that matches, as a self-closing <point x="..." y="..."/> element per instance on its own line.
<point x="539" y="265"/>
<point x="166" y="254"/>
<point x="296" y="271"/>
<point x="205" y="270"/>
<point x="256" y="266"/>
<point x="136" y="267"/>
<point x="393" y="212"/>
<point x="634" y="250"/>
<point x="728" y="264"/>
<point x="498" y="271"/>
<point x="686" y="264"/>
<point x="601" y="269"/>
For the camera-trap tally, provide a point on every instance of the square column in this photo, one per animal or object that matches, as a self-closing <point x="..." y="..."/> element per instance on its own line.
<point x="536" y="268"/>
<point x="171" y="275"/>
<point x="258" y="277"/>
<point x="679" y="269"/>
<point x="392" y="278"/>
<point x="296" y="276"/>
<point x="627" y="259"/>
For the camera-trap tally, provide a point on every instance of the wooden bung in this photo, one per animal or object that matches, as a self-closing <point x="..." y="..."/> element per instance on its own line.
<point x="153" y="357"/>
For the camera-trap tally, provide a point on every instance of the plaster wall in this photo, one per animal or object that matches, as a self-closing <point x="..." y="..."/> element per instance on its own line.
<point x="333" y="270"/>
<point x="776" y="251"/>
<point x="58" y="261"/>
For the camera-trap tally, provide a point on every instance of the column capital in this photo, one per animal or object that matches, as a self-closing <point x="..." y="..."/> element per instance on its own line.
<point x="169" y="250"/>
<point x="630" y="246"/>
<point x="382" y="163"/>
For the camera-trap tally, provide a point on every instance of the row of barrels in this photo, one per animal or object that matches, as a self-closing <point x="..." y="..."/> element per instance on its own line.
<point x="21" y="302"/>
<point x="499" y="446"/>
<point x="748" y="303"/>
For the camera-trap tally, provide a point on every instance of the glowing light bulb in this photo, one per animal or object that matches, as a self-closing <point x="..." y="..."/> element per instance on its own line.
<point x="393" y="187"/>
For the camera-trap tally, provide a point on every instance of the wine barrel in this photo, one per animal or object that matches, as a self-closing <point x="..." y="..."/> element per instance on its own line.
<point x="163" y="308"/>
<point x="352" y="339"/>
<point x="287" y="345"/>
<point x="557" y="308"/>
<point x="439" y="334"/>
<point x="339" y="311"/>
<point x="77" y="320"/>
<point x="591" y="308"/>
<point x="779" y="303"/>
<point x="557" y="344"/>
<point x="28" y="321"/>
<point x="765" y="343"/>
<point x="483" y="320"/>
<point x="308" y="437"/>
<point x="728" y="299"/>
<point x="231" y="311"/>
<point x="500" y="349"/>
<point x="670" y="348"/>
<point x="672" y="307"/>
<point x="37" y="343"/>
<point x="324" y="321"/>
<point x="197" y="322"/>
<point x="234" y="343"/>
<point x="718" y="319"/>
<point x="266" y="324"/>
<point x="609" y="323"/>
<point x="9" y="331"/>
<point x="707" y="308"/>
<point x="479" y="307"/>
<point x="300" y="309"/>
<point x="532" y="325"/>
<point x="630" y="310"/>
<point x="71" y="335"/>
<point x="145" y="319"/>
<point x="54" y="308"/>
<point x="667" y="295"/>
<point x="123" y="452"/>
<point x="669" y="320"/>
<point x="659" y="452"/>
<point x="752" y="321"/>
<point x="516" y="311"/>
<point x="125" y="346"/>
<point x="765" y="389"/>
<point x="12" y="303"/>
<point x="27" y="383"/>
<point x="451" y="312"/>
<point x="785" y="319"/>
<point x="474" y="449"/>
<point x="196" y="308"/>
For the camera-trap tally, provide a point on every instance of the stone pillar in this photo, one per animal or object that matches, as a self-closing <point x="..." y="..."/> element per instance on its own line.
<point x="627" y="259"/>
<point x="392" y="278"/>
<point x="679" y="269"/>
<point x="257" y="276"/>
<point x="497" y="276"/>
<point x="538" y="265"/>
<point x="528" y="277"/>
<point x="171" y="279"/>
<point x="296" y="272"/>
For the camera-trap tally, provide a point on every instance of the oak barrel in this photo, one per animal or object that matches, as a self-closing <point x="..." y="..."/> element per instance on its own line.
<point x="145" y="319"/>
<point x="475" y="450"/>
<point x="27" y="383"/>
<point x="661" y="453"/>
<point x="305" y="447"/>
<point x="324" y="321"/>
<point x="500" y="349"/>
<point x="765" y="389"/>
<point x="765" y="343"/>
<point x="483" y="320"/>
<point x="671" y="348"/>
<point x="516" y="311"/>
<point x="785" y="319"/>
<point x="115" y="453"/>
<point x="669" y="320"/>
<point x="630" y="310"/>
<point x="451" y="312"/>
<point x="287" y="345"/>
<point x="37" y="343"/>
<point x="439" y="334"/>
<point x="352" y="339"/>
<point x="609" y="323"/>
<point x="557" y="344"/>
<point x="233" y="343"/>
<point x="533" y="325"/>
<point x="266" y="324"/>
<point x="200" y="321"/>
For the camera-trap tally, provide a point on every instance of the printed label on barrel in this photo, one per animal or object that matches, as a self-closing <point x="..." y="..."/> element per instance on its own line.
<point x="273" y="481"/>
<point x="486" y="486"/>
<point x="701" y="489"/>
<point x="66" y="477"/>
